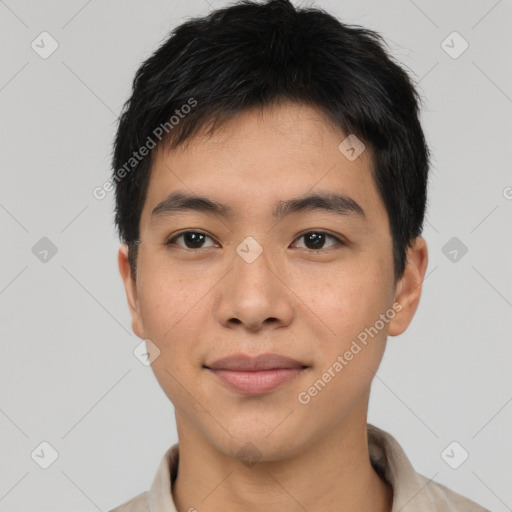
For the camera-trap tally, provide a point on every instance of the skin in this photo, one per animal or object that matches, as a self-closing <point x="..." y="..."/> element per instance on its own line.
<point x="200" y="304"/>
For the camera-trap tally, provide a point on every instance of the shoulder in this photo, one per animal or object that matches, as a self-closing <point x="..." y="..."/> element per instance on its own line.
<point x="444" y="499"/>
<point x="137" y="504"/>
<point x="412" y="491"/>
<point x="159" y="496"/>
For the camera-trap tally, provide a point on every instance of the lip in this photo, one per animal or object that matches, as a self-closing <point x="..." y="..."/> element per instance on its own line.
<point x="242" y="362"/>
<point x="257" y="375"/>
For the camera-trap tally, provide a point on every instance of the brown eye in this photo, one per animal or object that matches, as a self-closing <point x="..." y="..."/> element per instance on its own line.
<point x="315" y="240"/>
<point x="191" y="240"/>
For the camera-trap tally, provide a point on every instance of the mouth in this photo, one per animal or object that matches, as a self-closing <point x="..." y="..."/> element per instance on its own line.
<point x="255" y="375"/>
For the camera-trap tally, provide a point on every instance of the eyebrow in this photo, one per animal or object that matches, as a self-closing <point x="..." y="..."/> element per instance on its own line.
<point x="180" y="202"/>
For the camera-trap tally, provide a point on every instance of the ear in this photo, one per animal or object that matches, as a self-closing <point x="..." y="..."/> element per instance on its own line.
<point x="130" y="287"/>
<point x="408" y="289"/>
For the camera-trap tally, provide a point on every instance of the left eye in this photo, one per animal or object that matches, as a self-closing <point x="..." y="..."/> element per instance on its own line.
<point x="315" y="239"/>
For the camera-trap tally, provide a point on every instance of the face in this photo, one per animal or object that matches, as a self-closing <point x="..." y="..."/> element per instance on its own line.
<point x="261" y="267"/>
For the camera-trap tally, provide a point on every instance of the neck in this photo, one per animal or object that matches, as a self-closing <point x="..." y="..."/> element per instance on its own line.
<point x="334" y="473"/>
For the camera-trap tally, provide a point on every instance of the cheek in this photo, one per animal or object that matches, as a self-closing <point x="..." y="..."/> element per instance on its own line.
<point x="351" y="350"/>
<point x="174" y="304"/>
<point x="168" y="294"/>
<point x="172" y="310"/>
<point x="345" y="300"/>
<point x="345" y="311"/>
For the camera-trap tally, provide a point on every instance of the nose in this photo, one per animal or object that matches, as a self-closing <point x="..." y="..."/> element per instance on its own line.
<point x="254" y="294"/>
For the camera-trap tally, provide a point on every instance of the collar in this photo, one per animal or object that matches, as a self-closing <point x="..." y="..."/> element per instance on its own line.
<point x="412" y="492"/>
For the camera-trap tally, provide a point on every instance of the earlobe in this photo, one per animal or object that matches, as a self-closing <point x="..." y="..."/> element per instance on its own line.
<point x="130" y="289"/>
<point x="408" y="290"/>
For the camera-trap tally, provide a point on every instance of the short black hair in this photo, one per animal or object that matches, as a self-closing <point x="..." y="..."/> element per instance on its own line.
<point x="254" y="55"/>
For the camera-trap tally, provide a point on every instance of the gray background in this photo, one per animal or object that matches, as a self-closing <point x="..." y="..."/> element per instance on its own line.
<point x="67" y="372"/>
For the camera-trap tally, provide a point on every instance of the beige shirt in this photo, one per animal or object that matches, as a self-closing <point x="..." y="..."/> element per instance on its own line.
<point x="412" y="492"/>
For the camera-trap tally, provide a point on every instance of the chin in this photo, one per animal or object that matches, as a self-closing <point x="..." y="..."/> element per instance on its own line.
<point x="259" y="440"/>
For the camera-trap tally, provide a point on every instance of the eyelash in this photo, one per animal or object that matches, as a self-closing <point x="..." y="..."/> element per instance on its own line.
<point x="172" y="241"/>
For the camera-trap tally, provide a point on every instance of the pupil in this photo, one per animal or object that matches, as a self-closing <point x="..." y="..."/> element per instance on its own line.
<point x="316" y="239"/>
<point x="194" y="239"/>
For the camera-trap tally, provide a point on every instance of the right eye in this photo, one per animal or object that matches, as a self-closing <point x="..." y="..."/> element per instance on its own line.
<point x="191" y="239"/>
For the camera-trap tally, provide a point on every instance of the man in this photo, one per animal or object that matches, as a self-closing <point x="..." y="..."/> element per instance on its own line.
<point x="271" y="177"/>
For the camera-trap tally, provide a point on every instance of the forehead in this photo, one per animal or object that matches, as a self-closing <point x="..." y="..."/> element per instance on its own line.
<point x="262" y="157"/>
